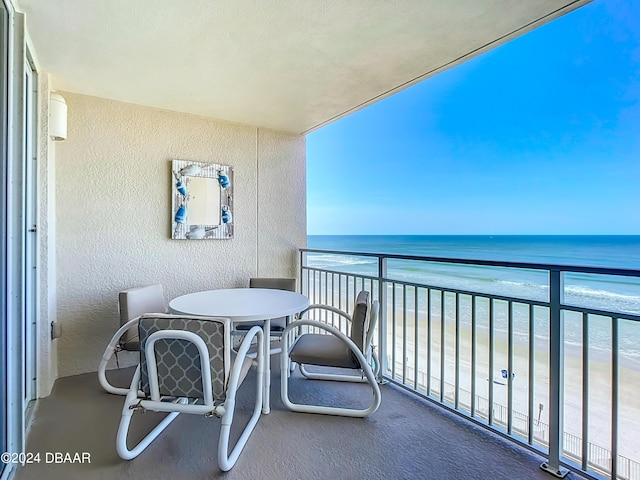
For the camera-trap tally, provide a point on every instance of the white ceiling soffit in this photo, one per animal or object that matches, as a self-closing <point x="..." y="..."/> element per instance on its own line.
<point x="290" y="65"/>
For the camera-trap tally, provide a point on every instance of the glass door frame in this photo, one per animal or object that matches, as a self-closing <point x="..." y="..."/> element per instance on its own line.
<point x="4" y="119"/>
<point x="30" y="232"/>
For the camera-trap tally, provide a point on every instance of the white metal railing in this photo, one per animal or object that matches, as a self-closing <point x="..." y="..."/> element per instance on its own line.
<point x="462" y="348"/>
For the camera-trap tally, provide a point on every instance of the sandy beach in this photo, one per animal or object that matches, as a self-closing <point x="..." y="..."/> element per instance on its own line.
<point x="600" y="379"/>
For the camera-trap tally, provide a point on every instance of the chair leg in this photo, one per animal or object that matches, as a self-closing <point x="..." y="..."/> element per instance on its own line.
<point x="347" y="412"/>
<point x="332" y="376"/>
<point x="125" y="421"/>
<point x="227" y="460"/>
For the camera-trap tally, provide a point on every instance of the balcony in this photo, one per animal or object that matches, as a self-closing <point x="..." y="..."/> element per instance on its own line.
<point x="476" y="384"/>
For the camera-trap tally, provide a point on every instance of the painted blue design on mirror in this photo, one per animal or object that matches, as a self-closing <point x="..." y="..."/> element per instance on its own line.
<point x="181" y="214"/>
<point x="223" y="179"/>
<point x="226" y="214"/>
<point x="181" y="187"/>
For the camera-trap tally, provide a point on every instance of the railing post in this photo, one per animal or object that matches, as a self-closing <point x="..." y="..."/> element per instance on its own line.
<point x="303" y="262"/>
<point x="382" y="319"/>
<point x="556" y="369"/>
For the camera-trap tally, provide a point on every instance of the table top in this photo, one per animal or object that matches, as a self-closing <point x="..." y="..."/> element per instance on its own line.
<point x="240" y="304"/>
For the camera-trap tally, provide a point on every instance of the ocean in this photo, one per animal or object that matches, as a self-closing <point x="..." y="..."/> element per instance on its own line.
<point x="619" y="251"/>
<point x="610" y="293"/>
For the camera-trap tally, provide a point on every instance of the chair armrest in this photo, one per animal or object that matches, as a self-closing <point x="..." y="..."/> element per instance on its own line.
<point x="325" y="307"/>
<point x="108" y="353"/>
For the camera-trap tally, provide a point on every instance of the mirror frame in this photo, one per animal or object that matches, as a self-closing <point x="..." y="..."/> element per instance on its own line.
<point x="181" y="172"/>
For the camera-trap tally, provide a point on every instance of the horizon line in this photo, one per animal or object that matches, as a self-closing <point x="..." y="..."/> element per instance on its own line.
<point x="473" y="234"/>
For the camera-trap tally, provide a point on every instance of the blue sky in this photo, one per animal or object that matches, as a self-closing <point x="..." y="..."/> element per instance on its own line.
<point x="538" y="136"/>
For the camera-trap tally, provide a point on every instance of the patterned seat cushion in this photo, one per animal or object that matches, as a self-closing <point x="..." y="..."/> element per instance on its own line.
<point x="178" y="361"/>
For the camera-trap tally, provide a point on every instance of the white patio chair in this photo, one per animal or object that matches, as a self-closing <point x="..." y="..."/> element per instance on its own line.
<point x="334" y="350"/>
<point x="132" y="303"/>
<point x="186" y="366"/>
<point x="277" y="324"/>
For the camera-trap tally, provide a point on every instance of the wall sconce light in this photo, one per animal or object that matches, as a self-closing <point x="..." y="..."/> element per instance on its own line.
<point x="57" y="117"/>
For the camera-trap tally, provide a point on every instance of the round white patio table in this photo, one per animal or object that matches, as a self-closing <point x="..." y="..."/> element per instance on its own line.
<point x="244" y="305"/>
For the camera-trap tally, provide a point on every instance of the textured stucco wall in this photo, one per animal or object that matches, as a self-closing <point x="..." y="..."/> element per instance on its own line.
<point x="113" y="187"/>
<point x="280" y="214"/>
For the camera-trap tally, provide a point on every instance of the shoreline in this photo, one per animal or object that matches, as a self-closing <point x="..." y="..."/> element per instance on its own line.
<point x="596" y="353"/>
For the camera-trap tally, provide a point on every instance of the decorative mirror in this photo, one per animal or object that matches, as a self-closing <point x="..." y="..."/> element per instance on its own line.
<point x="202" y="200"/>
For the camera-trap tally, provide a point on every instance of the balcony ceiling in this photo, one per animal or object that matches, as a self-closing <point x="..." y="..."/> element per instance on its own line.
<point x="290" y="65"/>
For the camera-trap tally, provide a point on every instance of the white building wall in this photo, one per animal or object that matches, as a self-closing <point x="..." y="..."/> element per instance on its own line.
<point x="113" y="213"/>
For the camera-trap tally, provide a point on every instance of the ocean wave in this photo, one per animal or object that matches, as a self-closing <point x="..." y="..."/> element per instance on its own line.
<point x="573" y="290"/>
<point x="586" y="291"/>
<point x="526" y="284"/>
<point x="337" y="261"/>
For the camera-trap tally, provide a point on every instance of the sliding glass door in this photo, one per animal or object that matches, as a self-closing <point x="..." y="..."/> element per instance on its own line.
<point x="18" y="237"/>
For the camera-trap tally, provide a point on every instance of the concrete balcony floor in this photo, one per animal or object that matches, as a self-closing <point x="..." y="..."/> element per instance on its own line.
<point x="407" y="438"/>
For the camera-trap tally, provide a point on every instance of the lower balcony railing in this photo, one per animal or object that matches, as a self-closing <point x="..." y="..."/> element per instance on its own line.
<point x="546" y="355"/>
